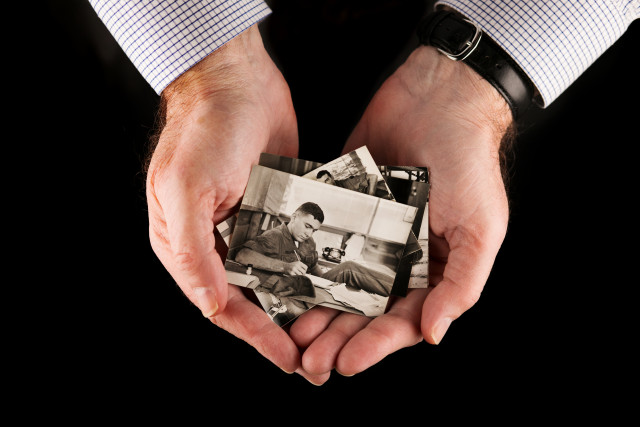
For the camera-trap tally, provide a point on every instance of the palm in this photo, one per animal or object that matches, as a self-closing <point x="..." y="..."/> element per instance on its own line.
<point x="424" y="123"/>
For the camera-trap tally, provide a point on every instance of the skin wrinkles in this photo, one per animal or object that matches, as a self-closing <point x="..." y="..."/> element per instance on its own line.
<point x="464" y="164"/>
<point x="211" y="130"/>
<point x="207" y="199"/>
<point x="226" y="184"/>
<point x="241" y="319"/>
<point x="406" y="316"/>
<point x="474" y="243"/>
<point x="388" y="333"/>
<point x="423" y="76"/>
<point x="480" y="212"/>
<point x="458" y="279"/>
<point x="316" y="319"/>
<point x="332" y="340"/>
<point x="407" y="123"/>
<point x="388" y="340"/>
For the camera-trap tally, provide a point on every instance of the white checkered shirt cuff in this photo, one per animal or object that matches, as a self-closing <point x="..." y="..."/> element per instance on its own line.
<point x="164" y="38"/>
<point x="553" y="42"/>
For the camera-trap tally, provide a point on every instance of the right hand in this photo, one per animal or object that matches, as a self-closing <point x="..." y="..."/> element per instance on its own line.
<point x="220" y="115"/>
<point x="295" y="268"/>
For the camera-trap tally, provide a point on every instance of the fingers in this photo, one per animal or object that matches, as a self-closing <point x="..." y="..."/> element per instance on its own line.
<point x="304" y="331"/>
<point x="466" y="271"/>
<point x="311" y="324"/>
<point x="182" y="235"/>
<point x="320" y="357"/>
<point x="438" y="253"/>
<point x="247" y="321"/>
<point x="352" y="343"/>
<point x="396" y="329"/>
<point x="199" y="272"/>
<point x="296" y="268"/>
<point x="312" y="378"/>
<point x="299" y="268"/>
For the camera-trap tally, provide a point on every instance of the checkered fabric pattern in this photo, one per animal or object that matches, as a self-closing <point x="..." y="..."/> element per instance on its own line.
<point x="164" y="38"/>
<point x="553" y="42"/>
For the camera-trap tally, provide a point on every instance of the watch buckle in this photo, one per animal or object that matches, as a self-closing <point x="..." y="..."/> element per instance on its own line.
<point x="471" y="44"/>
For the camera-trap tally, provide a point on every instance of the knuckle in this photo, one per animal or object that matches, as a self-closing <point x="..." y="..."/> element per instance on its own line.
<point x="471" y="297"/>
<point x="187" y="260"/>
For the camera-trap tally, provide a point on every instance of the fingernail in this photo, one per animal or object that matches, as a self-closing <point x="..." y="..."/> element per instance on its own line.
<point x="206" y="301"/>
<point x="440" y="329"/>
<point x="344" y="375"/>
<point x="306" y="376"/>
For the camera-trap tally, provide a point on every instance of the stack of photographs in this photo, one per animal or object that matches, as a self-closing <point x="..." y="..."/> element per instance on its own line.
<point x="347" y="234"/>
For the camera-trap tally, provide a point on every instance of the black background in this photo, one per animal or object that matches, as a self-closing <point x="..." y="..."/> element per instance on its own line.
<point x="553" y="325"/>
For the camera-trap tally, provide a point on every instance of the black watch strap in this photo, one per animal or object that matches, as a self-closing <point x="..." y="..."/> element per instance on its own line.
<point x="462" y="40"/>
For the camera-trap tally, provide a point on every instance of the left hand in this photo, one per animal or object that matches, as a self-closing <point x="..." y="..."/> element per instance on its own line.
<point x="437" y="113"/>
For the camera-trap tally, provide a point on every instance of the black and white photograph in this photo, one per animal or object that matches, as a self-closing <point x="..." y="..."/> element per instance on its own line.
<point x="406" y="184"/>
<point x="355" y="171"/>
<point x="121" y="176"/>
<point x="410" y="185"/>
<point x="273" y="161"/>
<point x="280" y="308"/>
<point x="285" y="235"/>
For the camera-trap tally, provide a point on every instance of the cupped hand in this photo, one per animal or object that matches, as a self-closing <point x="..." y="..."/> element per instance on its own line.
<point x="219" y="116"/>
<point x="437" y="113"/>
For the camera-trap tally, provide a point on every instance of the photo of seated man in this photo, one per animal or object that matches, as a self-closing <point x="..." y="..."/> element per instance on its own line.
<point x="290" y="249"/>
<point x="359" y="172"/>
<point x="291" y="239"/>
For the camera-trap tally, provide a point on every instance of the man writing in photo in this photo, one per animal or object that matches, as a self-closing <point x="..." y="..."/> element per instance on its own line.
<point x="290" y="249"/>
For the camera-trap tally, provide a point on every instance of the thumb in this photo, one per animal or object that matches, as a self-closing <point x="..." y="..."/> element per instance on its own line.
<point x="467" y="269"/>
<point x="186" y="245"/>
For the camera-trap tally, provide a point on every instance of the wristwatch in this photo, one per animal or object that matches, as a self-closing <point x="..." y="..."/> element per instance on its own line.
<point x="460" y="39"/>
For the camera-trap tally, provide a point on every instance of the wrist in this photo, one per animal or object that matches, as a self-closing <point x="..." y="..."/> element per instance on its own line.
<point x="460" y="39"/>
<point x="221" y="69"/>
<point x="474" y="101"/>
<point x="459" y="90"/>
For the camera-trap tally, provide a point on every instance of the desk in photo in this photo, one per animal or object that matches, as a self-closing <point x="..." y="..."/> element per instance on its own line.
<point x="237" y="275"/>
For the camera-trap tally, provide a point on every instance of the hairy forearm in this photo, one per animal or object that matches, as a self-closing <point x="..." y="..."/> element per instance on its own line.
<point x="226" y="68"/>
<point x="461" y="90"/>
<point x="171" y="39"/>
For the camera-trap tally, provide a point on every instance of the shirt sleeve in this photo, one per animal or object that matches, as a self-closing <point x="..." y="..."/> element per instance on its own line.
<point x="553" y="42"/>
<point x="267" y="244"/>
<point x="164" y="38"/>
